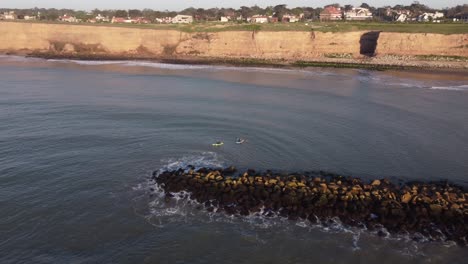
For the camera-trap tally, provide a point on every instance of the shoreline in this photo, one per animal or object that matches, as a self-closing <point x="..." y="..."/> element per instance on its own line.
<point x="363" y="49"/>
<point x="373" y="63"/>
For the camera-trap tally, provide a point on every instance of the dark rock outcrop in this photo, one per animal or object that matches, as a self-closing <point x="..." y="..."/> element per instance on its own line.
<point x="436" y="210"/>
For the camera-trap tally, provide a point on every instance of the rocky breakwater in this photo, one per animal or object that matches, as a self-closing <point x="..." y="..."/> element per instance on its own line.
<point x="438" y="211"/>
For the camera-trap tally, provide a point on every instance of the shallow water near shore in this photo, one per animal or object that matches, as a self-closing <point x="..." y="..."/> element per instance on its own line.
<point x="79" y="140"/>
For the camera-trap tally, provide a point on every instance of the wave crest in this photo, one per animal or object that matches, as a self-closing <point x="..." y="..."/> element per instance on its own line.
<point x="451" y="88"/>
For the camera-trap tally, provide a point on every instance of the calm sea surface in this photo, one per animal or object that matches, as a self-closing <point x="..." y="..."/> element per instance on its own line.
<point x="79" y="140"/>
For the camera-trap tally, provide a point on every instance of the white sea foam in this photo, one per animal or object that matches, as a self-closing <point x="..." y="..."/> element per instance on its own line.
<point x="451" y="88"/>
<point x="204" y="159"/>
<point x="88" y="63"/>
<point x="169" y="66"/>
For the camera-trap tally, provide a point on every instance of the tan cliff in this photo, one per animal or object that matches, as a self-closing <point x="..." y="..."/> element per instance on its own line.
<point x="287" y="46"/>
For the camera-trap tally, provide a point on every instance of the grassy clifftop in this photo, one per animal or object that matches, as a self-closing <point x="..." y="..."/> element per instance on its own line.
<point x="449" y="28"/>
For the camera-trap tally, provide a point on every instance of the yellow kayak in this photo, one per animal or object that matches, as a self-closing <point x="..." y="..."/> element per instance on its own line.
<point x="218" y="144"/>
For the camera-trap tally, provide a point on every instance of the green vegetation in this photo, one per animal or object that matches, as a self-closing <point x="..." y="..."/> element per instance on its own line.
<point x="339" y="55"/>
<point x="441" y="58"/>
<point x="377" y="67"/>
<point x="443" y="28"/>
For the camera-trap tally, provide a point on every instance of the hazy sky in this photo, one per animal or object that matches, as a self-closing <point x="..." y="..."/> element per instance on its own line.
<point x="181" y="4"/>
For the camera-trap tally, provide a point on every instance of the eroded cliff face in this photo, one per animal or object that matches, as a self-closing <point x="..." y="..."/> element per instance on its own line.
<point x="290" y="46"/>
<point x="423" y="44"/>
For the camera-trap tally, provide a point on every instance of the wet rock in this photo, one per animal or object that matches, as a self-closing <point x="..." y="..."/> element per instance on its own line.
<point x="436" y="209"/>
<point x="406" y="198"/>
<point x="376" y="183"/>
<point x="412" y="207"/>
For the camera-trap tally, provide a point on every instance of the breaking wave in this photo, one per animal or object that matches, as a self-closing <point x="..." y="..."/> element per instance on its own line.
<point x="169" y="66"/>
<point x="205" y="159"/>
<point x="451" y="88"/>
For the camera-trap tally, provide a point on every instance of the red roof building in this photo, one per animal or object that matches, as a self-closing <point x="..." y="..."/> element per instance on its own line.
<point x="331" y="13"/>
<point x="118" y="20"/>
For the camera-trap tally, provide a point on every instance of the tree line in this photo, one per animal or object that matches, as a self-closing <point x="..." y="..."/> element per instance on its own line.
<point x="212" y="14"/>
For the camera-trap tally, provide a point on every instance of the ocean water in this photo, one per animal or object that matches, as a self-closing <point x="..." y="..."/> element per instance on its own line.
<point x="79" y="141"/>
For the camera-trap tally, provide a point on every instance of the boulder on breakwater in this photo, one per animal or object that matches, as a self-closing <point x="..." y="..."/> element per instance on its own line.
<point x="438" y="210"/>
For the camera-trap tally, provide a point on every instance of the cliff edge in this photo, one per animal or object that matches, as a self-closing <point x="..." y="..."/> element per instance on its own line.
<point x="357" y="47"/>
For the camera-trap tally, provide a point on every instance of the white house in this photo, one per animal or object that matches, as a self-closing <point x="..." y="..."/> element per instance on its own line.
<point x="164" y="20"/>
<point x="435" y="17"/>
<point x="30" y="17"/>
<point x="9" y="15"/>
<point x="402" y="18"/>
<point x="224" y="19"/>
<point x="258" y="19"/>
<point x="68" y="18"/>
<point x="100" y="18"/>
<point x="358" y="13"/>
<point x="182" y="19"/>
<point x="290" y="18"/>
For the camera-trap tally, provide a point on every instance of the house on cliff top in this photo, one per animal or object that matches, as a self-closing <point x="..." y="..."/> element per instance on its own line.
<point x="182" y="19"/>
<point x="118" y="20"/>
<point x="68" y="18"/>
<point x="428" y="17"/>
<point x="331" y="13"/>
<point x="291" y="18"/>
<point x="358" y="13"/>
<point x="26" y="17"/>
<point x="8" y="16"/>
<point x="101" y="18"/>
<point x="259" y="19"/>
<point x="224" y="19"/>
<point x="163" y="20"/>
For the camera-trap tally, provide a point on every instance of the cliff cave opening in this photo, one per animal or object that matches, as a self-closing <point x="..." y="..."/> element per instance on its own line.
<point x="368" y="43"/>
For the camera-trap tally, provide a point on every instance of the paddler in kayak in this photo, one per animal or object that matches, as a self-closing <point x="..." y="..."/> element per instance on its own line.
<point x="218" y="144"/>
<point x="240" y="140"/>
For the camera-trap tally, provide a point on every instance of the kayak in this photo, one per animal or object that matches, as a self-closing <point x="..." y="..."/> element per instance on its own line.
<point x="217" y="144"/>
<point x="240" y="141"/>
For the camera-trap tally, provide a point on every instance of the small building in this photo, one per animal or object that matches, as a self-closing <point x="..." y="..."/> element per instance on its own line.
<point x="131" y="21"/>
<point x="182" y="19"/>
<point x="68" y="18"/>
<point x="461" y="17"/>
<point x="290" y="19"/>
<point x="272" y="19"/>
<point x="9" y="16"/>
<point x="258" y="19"/>
<point x="331" y="13"/>
<point x="358" y="13"/>
<point x="118" y="20"/>
<point x="224" y="19"/>
<point x="121" y="20"/>
<point x="401" y="18"/>
<point x="100" y="18"/>
<point x="164" y="20"/>
<point x="142" y="20"/>
<point x="26" y="17"/>
<point x="434" y="17"/>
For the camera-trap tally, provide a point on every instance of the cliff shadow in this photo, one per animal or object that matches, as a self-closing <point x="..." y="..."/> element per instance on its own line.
<point x="368" y="43"/>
